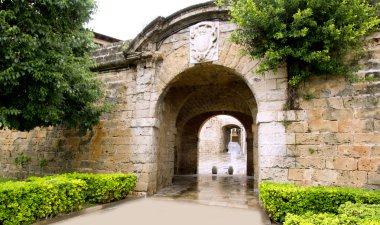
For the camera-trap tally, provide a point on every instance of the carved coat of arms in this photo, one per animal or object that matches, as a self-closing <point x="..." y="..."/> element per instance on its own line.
<point x="204" y="42"/>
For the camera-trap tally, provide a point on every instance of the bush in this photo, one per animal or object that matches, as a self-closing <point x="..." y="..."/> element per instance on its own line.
<point x="101" y="188"/>
<point x="4" y="180"/>
<point x="327" y="219"/>
<point x="362" y="211"/>
<point x="25" y="202"/>
<point x="281" y="199"/>
<point x="41" y="197"/>
<point x="349" y="214"/>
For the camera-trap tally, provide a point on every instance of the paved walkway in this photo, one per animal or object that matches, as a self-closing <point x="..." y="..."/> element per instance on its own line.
<point x="190" y="200"/>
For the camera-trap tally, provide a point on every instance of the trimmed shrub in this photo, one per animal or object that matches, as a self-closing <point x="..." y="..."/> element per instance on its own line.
<point x="327" y="219"/>
<point x="104" y="188"/>
<point x="4" y="180"/>
<point x="25" y="202"/>
<point x="41" y="197"/>
<point x="349" y="214"/>
<point x="279" y="199"/>
<point x="362" y="211"/>
<point x="101" y="188"/>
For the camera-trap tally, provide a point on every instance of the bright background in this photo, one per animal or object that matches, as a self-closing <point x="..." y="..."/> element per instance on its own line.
<point x="124" y="19"/>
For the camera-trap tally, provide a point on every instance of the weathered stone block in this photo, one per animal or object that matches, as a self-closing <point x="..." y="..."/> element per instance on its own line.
<point x="289" y="115"/>
<point x="323" y="126"/>
<point x="369" y="164"/>
<point x="271" y="162"/>
<point x="335" y="103"/>
<point x="314" y="114"/>
<point x="336" y="138"/>
<point x="342" y="163"/>
<point x="377" y="125"/>
<point x="270" y="128"/>
<point x="271" y="84"/>
<point x="274" y="174"/>
<point x="375" y="151"/>
<point x="298" y="127"/>
<point x="264" y="117"/>
<point x="273" y="150"/>
<point x="290" y="138"/>
<point x="296" y="174"/>
<point x="367" y="113"/>
<point x="320" y="103"/>
<point x="272" y="139"/>
<point x="352" y="178"/>
<point x="282" y="83"/>
<point x="271" y="106"/>
<point x="308" y="151"/>
<point x="372" y="138"/>
<point x="145" y="122"/>
<point x="308" y="138"/>
<point x="354" y="151"/>
<point x="374" y="178"/>
<point x="310" y="162"/>
<point x="276" y="95"/>
<point x="338" y="114"/>
<point x="355" y="125"/>
<point x="325" y="175"/>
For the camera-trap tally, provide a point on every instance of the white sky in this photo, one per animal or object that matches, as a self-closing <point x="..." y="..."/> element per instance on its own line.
<point x="124" y="19"/>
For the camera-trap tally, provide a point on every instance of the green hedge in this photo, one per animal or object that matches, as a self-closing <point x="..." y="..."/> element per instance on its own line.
<point x="280" y="199"/>
<point x="103" y="188"/>
<point x="4" y="180"/>
<point x="25" y="202"/>
<point x="349" y="214"/>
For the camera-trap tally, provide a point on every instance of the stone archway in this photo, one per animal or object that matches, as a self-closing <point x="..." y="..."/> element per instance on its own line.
<point x="197" y="94"/>
<point x="172" y="93"/>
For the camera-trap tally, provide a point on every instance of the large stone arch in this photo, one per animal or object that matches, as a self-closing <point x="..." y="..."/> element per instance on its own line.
<point x="176" y="86"/>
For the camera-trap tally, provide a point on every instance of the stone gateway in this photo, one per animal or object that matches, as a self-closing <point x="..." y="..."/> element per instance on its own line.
<point x="181" y="71"/>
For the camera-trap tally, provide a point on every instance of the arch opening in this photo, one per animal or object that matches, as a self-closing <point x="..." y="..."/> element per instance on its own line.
<point x="191" y="98"/>
<point x="222" y="142"/>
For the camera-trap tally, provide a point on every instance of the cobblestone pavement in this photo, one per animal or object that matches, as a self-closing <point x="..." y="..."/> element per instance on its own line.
<point x="190" y="200"/>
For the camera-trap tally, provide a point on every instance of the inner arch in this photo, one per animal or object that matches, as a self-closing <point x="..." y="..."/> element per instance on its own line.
<point x="222" y="142"/>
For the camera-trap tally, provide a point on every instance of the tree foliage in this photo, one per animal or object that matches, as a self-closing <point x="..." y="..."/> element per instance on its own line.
<point x="310" y="36"/>
<point x="45" y="76"/>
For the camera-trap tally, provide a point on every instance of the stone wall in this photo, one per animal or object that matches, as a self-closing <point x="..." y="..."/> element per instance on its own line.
<point x="338" y="141"/>
<point x="334" y="139"/>
<point x="108" y="148"/>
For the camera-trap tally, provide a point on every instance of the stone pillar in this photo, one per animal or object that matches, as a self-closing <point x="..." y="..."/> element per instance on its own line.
<point x="249" y="154"/>
<point x="145" y="153"/>
<point x="273" y="161"/>
<point x="144" y="128"/>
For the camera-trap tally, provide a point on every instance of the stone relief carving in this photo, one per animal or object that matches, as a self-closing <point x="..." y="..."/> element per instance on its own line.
<point x="204" y="42"/>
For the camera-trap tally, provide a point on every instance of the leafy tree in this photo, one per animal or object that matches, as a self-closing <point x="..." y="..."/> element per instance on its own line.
<point x="45" y="76"/>
<point x="310" y="36"/>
